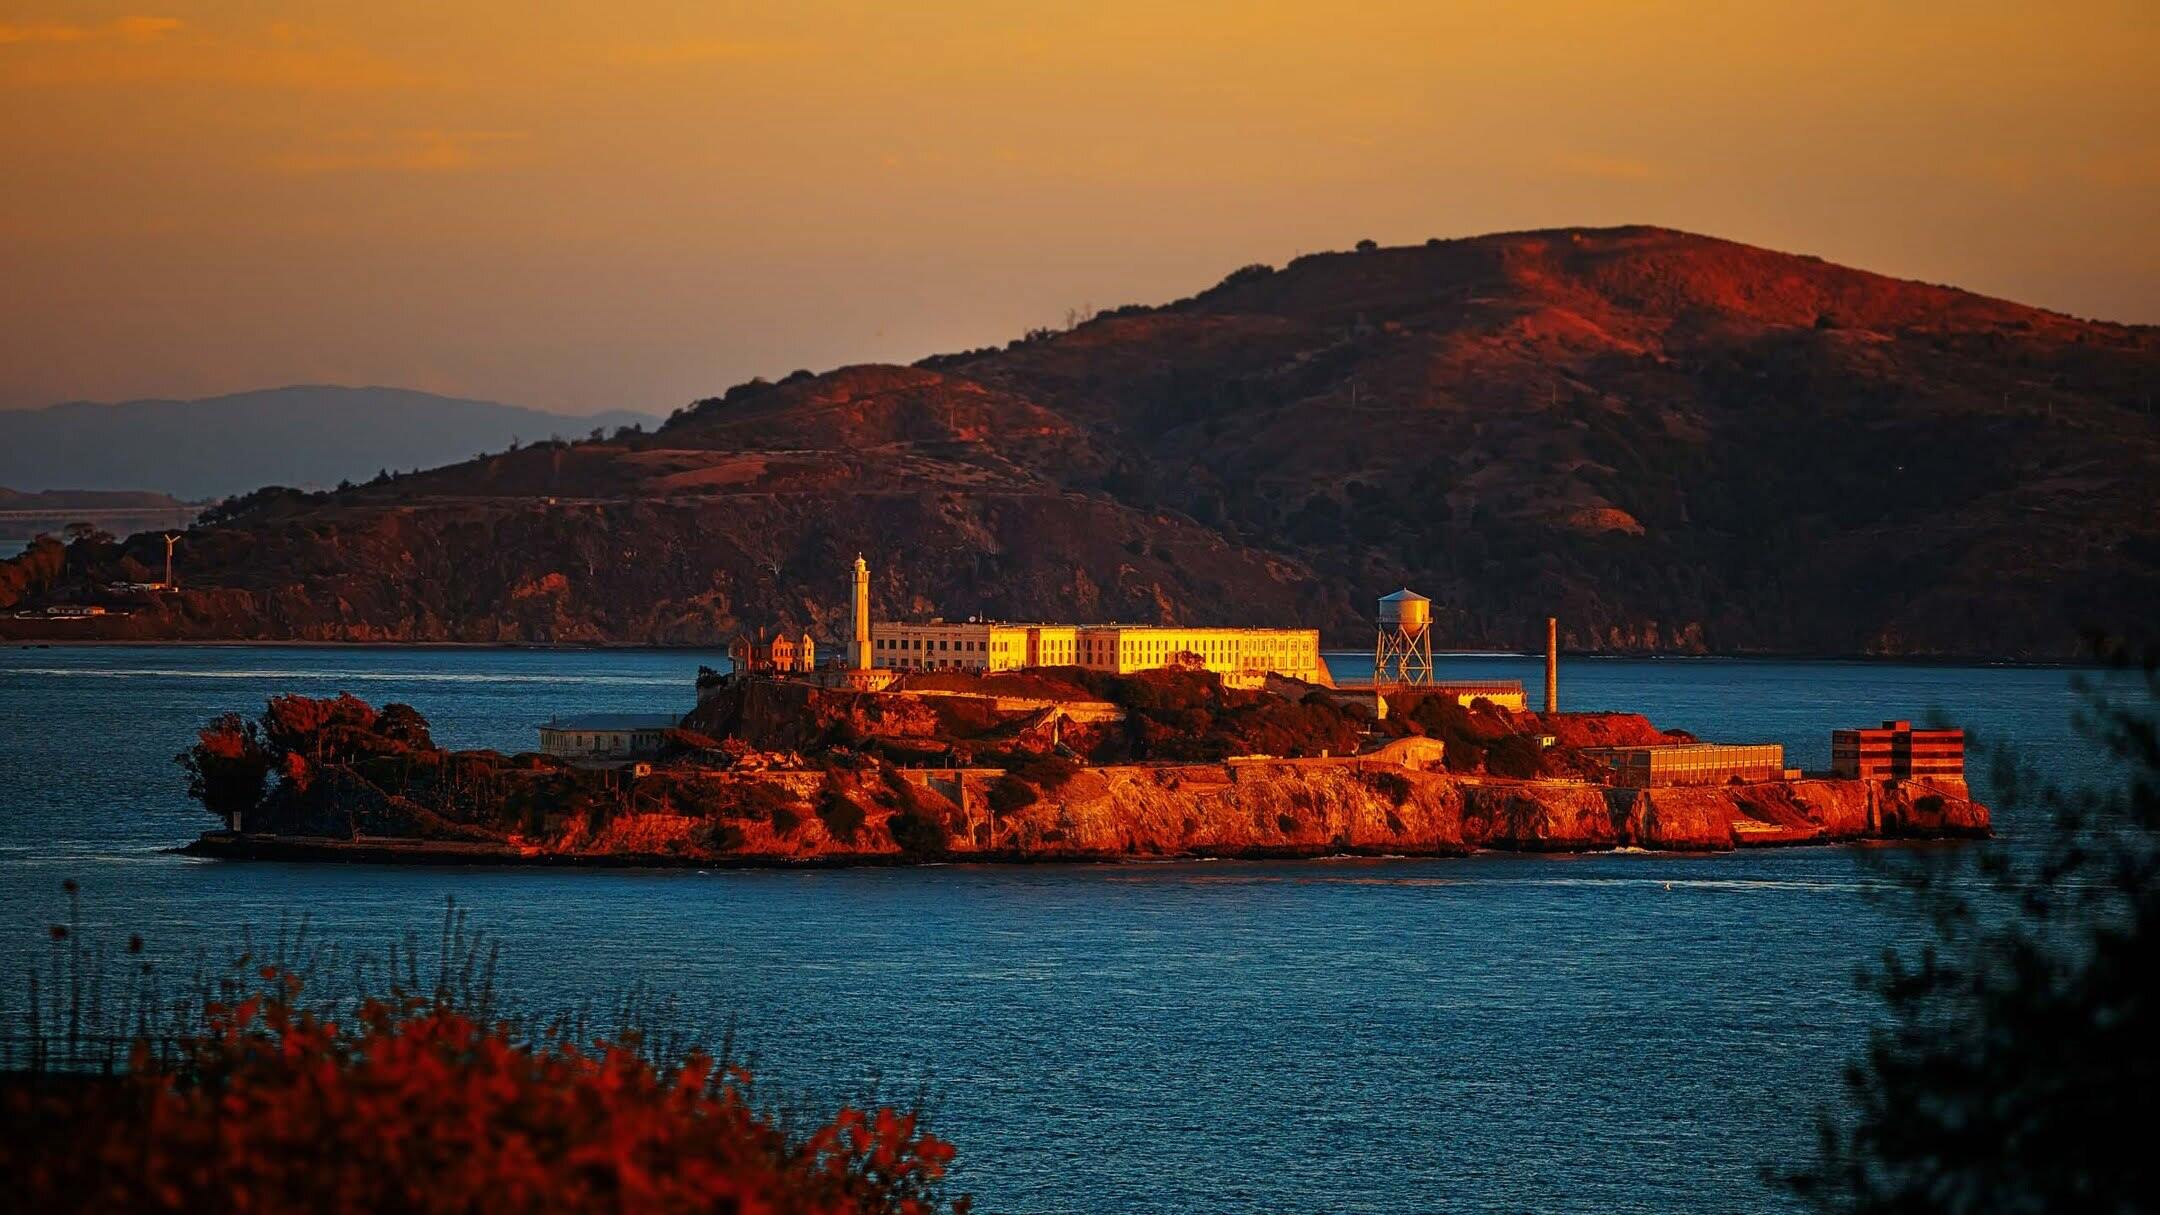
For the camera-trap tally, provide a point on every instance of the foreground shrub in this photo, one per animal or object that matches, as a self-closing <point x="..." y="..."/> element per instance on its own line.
<point x="269" y="1100"/>
<point x="2017" y="1037"/>
<point x="423" y="1109"/>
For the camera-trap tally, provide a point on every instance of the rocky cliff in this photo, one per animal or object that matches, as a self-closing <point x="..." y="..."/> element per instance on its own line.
<point x="1673" y="443"/>
<point x="1260" y="809"/>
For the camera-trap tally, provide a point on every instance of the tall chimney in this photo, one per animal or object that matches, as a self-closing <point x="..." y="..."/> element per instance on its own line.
<point x="1552" y="664"/>
<point x="859" y="646"/>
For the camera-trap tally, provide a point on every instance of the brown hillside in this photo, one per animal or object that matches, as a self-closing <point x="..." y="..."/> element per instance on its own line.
<point x="1672" y="442"/>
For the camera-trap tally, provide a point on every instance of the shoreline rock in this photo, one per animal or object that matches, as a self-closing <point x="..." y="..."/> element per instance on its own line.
<point x="1272" y="810"/>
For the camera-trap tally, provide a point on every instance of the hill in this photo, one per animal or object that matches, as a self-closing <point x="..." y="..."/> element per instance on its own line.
<point x="312" y="435"/>
<point x="24" y="516"/>
<point x="1673" y="443"/>
<point x="87" y="499"/>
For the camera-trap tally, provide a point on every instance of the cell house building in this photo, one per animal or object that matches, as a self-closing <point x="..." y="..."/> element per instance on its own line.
<point x="1244" y="657"/>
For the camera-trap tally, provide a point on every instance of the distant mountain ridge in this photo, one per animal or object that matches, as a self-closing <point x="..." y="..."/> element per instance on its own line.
<point x="303" y="435"/>
<point x="87" y="499"/>
<point x="1673" y="443"/>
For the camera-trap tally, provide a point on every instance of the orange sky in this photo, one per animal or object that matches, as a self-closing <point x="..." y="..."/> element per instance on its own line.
<point x="639" y="202"/>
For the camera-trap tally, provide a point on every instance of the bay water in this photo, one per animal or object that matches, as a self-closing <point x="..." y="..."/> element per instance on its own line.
<point x="1615" y="1032"/>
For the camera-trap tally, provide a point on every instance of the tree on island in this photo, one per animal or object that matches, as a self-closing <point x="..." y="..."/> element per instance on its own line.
<point x="2019" y="1042"/>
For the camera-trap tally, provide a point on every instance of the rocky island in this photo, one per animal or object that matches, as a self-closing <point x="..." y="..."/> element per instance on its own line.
<point x="1042" y="764"/>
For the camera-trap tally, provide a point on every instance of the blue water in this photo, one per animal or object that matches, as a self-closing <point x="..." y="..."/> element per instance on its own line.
<point x="1499" y="1033"/>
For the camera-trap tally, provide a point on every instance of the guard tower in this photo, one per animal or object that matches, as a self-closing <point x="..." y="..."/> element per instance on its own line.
<point x="1402" y="653"/>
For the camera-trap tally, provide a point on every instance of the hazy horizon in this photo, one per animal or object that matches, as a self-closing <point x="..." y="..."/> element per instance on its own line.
<point x="633" y="206"/>
<point x="654" y="412"/>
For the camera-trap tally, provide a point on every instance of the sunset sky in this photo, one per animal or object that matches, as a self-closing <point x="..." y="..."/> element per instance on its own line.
<point x="636" y="203"/>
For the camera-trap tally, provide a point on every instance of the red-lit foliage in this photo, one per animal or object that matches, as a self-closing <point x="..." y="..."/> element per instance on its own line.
<point x="420" y="1108"/>
<point x="227" y="766"/>
<point x="1191" y="716"/>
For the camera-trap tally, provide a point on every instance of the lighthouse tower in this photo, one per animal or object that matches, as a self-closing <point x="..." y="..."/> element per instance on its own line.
<point x="859" y="656"/>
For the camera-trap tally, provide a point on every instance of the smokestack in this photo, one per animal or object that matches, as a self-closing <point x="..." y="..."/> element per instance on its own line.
<point x="1552" y="664"/>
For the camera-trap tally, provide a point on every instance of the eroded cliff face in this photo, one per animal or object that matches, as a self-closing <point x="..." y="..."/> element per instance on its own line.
<point x="1317" y="808"/>
<point x="1258" y="809"/>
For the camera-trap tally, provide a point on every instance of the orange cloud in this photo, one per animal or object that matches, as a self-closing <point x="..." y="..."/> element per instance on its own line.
<point x="166" y="50"/>
<point x="124" y="29"/>
<point x="700" y="50"/>
<point x="401" y="152"/>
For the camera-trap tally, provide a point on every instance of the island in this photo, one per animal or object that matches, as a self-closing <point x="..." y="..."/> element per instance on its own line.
<point x="1039" y="764"/>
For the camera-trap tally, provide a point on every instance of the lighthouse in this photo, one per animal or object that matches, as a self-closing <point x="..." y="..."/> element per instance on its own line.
<point x="859" y="647"/>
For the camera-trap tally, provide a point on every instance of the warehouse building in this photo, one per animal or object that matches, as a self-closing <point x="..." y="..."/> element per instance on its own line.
<point x="1650" y="767"/>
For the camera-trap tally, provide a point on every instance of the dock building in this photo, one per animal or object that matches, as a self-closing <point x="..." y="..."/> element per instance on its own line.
<point x="1667" y="764"/>
<point x="1896" y="751"/>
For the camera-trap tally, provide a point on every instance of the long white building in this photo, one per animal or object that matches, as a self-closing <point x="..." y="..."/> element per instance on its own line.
<point x="1240" y="656"/>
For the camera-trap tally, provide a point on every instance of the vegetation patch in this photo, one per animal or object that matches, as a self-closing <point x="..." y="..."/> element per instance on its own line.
<point x="1009" y="793"/>
<point x="1392" y="785"/>
<point x="784" y="821"/>
<point x="842" y="817"/>
<point x="919" y="832"/>
<point x="1048" y="773"/>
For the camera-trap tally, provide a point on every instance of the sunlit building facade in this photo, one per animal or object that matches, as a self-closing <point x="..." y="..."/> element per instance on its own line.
<point x="1896" y="751"/>
<point x="1241" y="656"/>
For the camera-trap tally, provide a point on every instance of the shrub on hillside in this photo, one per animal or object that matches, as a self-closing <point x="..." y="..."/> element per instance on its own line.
<point x="965" y="716"/>
<point x="1393" y="785"/>
<point x="716" y="836"/>
<point x="1009" y="793"/>
<point x="1048" y="773"/>
<point x="1517" y="755"/>
<point x="841" y="816"/>
<point x="919" y="832"/>
<point x="403" y="724"/>
<point x="761" y="801"/>
<point x="1443" y="718"/>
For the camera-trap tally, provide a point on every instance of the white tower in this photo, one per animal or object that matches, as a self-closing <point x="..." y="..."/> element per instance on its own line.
<point x="1402" y="653"/>
<point x="859" y="655"/>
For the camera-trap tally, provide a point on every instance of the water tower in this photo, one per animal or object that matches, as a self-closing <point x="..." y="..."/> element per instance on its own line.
<point x="1403" y="651"/>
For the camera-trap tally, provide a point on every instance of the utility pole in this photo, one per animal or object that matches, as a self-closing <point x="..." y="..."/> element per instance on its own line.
<point x="170" y="540"/>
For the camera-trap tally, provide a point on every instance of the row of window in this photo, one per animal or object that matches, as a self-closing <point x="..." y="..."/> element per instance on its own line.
<point x="1217" y="652"/>
<point x="943" y="643"/>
